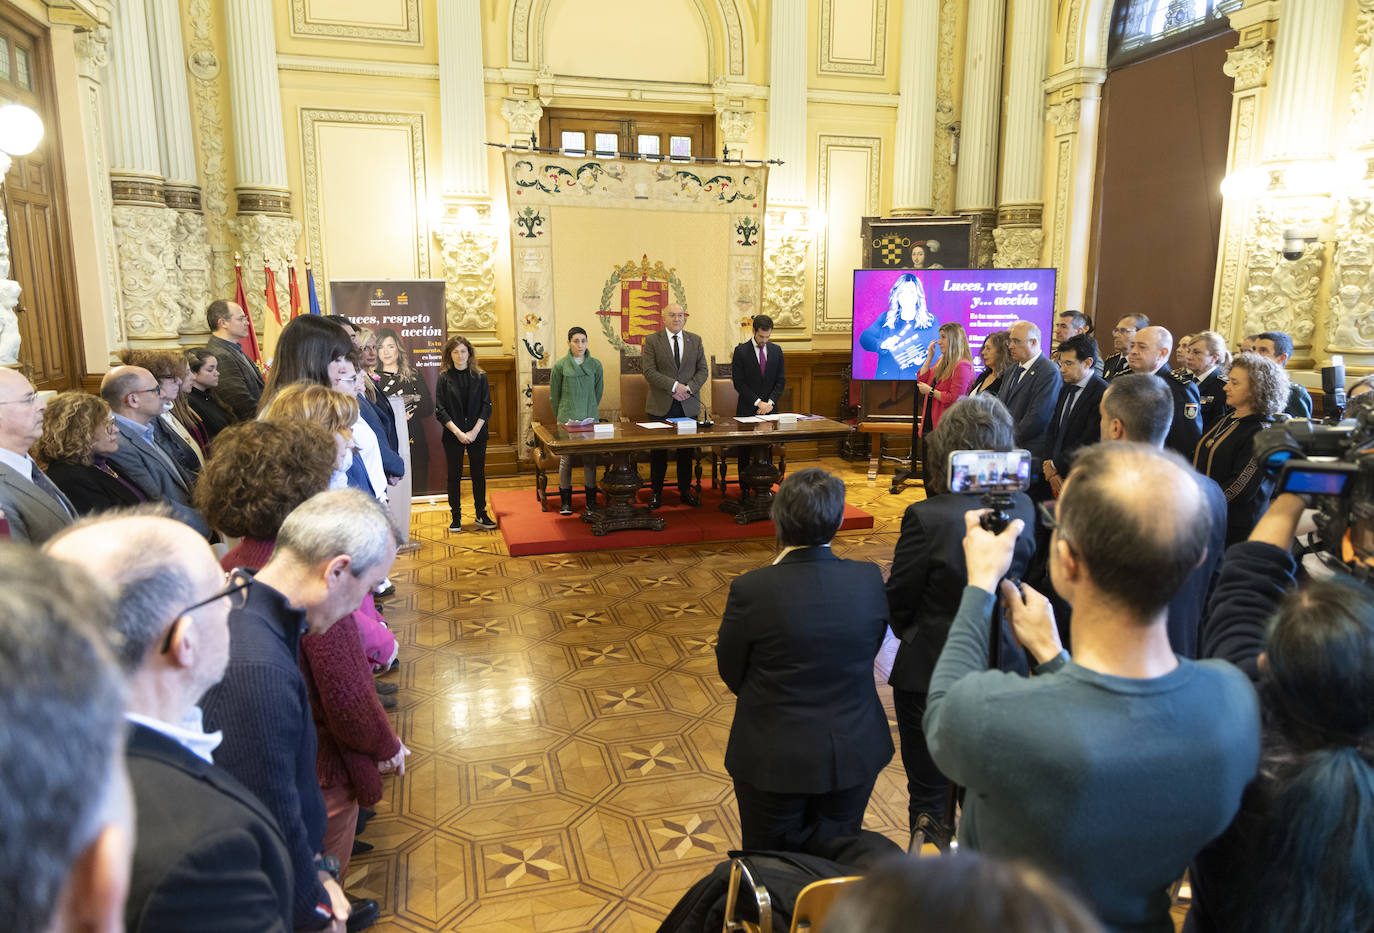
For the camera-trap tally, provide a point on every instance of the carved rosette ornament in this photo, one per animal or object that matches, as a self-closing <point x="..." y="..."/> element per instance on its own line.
<point x="1280" y="294"/>
<point x="469" y="278"/>
<point x="145" y="240"/>
<point x="522" y="116"/>
<point x="1249" y="64"/>
<point x="784" y="276"/>
<point x="1352" y="280"/>
<point x="259" y="236"/>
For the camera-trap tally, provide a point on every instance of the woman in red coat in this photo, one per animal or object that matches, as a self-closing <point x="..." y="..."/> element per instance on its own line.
<point x="941" y="384"/>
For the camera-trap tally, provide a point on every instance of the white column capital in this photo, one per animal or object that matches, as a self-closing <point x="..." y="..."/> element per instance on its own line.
<point x="522" y="116"/>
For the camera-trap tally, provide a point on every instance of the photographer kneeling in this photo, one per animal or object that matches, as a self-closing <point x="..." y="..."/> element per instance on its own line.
<point x="1112" y="769"/>
<point x="1300" y="854"/>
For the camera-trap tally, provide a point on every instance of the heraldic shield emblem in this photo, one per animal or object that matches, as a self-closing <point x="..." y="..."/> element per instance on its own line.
<point x="638" y="293"/>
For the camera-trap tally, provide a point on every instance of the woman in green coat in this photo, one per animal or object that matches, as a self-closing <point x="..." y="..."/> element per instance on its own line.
<point x="575" y="388"/>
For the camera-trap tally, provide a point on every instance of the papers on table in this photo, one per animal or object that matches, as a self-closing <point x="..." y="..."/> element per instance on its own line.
<point x="653" y="424"/>
<point x="748" y="419"/>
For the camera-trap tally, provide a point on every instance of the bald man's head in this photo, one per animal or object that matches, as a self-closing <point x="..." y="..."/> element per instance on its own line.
<point x="1149" y="349"/>
<point x="21" y="413"/>
<point x="1136" y="554"/>
<point x="132" y="392"/>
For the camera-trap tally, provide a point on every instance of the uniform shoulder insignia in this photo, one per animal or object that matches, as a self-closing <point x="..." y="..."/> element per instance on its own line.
<point x="1181" y="376"/>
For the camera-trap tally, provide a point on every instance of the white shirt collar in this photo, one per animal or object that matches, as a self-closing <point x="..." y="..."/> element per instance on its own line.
<point x="1207" y="372"/>
<point x="20" y="463"/>
<point x="190" y="733"/>
<point x="796" y="547"/>
<point x="1030" y="362"/>
<point x="1083" y="383"/>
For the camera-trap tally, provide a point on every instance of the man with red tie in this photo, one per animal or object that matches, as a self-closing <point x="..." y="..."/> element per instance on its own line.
<point x="756" y="371"/>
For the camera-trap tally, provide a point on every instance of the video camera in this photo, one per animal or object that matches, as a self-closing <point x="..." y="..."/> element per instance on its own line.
<point x="1332" y="466"/>
<point x="994" y="473"/>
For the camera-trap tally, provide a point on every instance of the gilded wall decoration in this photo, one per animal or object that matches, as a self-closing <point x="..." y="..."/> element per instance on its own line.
<point x="1071" y="32"/>
<point x="1360" y="98"/>
<point x="520" y="31"/>
<point x="784" y="276"/>
<point x="1351" y="326"/>
<point x="415" y="124"/>
<point x="942" y="190"/>
<point x="1018" y="247"/>
<point x="469" y="278"/>
<point x="144" y="238"/>
<point x="840" y="320"/>
<point x="1243" y="153"/>
<point x="1063" y="169"/>
<point x="271" y="238"/>
<point x="829" y="63"/>
<point x="191" y="268"/>
<point x="408" y="33"/>
<point x="1280" y="294"/>
<point x="1249" y="65"/>
<point x="204" y="65"/>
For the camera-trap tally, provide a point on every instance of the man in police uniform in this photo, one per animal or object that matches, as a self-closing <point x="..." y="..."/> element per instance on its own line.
<point x="1149" y="353"/>
<point x="1122" y="333"/>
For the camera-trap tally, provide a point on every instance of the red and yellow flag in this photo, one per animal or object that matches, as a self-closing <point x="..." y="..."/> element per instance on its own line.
<point x="271" y="291"/>
<point x="295" y="291"/>
<point x="250" y="342"/>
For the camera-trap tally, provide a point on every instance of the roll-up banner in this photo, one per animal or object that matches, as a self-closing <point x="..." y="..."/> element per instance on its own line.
<point x="410" y="312"/>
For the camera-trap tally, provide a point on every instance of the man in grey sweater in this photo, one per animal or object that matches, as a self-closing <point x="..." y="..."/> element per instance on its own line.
<point x="1112" y="768"/>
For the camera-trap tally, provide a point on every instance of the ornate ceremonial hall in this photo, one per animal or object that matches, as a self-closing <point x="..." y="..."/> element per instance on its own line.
<point x="505" y="170"/>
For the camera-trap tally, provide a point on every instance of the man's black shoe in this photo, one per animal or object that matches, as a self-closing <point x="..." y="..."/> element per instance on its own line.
<point x="655" y="500"/>
<point x="359" y="847"/>
<point x="690" y="498"/>
<point x="365" y="912"/>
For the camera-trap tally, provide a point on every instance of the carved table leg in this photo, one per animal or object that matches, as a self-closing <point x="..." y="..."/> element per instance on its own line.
<point x="758" y="478"/>
<point x="622" y="513"/>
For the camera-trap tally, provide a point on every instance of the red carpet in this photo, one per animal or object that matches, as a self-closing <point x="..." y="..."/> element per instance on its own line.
<point x="530" y="531"/>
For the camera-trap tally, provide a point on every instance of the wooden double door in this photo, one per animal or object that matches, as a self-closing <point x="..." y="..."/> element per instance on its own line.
<point x="35" y="204"/>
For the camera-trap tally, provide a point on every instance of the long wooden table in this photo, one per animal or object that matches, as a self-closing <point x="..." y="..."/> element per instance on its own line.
<point x="622" y="481"/>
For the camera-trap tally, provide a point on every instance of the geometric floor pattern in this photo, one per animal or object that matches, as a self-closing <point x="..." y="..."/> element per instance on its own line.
<point x="567" y="728"/>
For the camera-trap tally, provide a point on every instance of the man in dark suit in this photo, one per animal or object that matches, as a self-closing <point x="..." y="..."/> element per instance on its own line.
<point x="1125" y="329"/>
<point x="1139" y="408"/>
<point x="756" y="370"/>
<point x="132" y="394"/>
<point x="240" y="383"/>
<point x="1075" y="421"/>
<point x="796" y="646"/>
<point x="1149" y="353"/>
<point x="209" y="855"/>
<point x="34" y="507"/>
<point x="675" y="368"/>
<point x="1030" y="390"/>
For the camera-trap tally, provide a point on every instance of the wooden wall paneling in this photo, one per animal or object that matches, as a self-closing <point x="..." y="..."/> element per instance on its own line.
<point x="503" y="444"/>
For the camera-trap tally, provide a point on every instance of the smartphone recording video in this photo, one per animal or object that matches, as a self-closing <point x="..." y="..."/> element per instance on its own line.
<point x="989" y="470"/>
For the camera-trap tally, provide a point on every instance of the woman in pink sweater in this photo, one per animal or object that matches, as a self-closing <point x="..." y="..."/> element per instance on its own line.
<point x="941" y="384"/>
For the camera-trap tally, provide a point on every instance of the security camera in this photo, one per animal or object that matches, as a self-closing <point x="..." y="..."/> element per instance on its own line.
<point x="1295" y="240"/>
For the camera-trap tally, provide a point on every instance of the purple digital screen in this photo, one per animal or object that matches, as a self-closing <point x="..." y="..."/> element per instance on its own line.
<point x="897" y="312"/>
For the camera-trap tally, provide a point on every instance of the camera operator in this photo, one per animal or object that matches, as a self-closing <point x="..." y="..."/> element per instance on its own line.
<point x="923" y="591"/>
<point x="1112" y="769"/>
<point x="1298" y="855"/>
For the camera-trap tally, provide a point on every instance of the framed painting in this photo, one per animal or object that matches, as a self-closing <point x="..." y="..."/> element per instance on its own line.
<point x="919" y="242"/>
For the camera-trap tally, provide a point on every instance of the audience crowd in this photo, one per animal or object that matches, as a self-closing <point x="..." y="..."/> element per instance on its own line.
<point x="1133" y="679"/>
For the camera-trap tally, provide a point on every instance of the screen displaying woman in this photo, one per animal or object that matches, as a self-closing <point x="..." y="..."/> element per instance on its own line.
<point x="901" y="337"/>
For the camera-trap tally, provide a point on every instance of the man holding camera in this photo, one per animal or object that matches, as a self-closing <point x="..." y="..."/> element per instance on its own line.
<point x="1077" y="768"/>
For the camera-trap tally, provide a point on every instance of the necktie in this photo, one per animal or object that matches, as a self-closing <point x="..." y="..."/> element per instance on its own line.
<point x="1013" y="378"/>
<point x="1069" y="398"/>
<point x="763" y="358"/>
<point x="677" y="354"/>
<point x="47" y="485"/>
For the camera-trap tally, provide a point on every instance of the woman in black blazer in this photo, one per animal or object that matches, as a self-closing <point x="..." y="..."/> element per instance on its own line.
<point x="925" y="586"/>
<point x="462" y="404"/>
<point x="796" y="646"/>
<point x="78" y="434"/>
<point x="204" y="380"/>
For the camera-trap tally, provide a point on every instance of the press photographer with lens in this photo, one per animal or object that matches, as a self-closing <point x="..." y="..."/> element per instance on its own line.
<point x="1298" y="855"/>
<point x="970" y="452"/>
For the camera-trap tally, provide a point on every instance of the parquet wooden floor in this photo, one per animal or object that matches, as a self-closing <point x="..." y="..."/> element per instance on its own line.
<point x="568" y="728"/>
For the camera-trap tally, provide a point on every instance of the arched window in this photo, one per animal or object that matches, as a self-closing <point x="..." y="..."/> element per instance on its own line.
<point x="1141" y="28"/>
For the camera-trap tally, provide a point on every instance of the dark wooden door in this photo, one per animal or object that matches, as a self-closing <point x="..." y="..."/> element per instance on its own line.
<point x="35" y="204"/>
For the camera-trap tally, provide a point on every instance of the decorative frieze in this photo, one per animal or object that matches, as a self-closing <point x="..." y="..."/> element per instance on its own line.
<point x="144" y="239"/>
<point x="469" y="254"/>
<point x="1281" y="294"/>
<point x="1351" y="326"/>
<point x="192" y="269"/>
<point x="784" y="275"/>
<point x="264" y="236"/>
<point x="1018" y="236"/>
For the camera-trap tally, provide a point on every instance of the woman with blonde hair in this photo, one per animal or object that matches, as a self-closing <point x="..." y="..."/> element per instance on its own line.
<point x="948" y="380"/>
<point x="334" y="411"/>
<point x="1208" y="361"/>
<point x="899" y="336"/>
<point x="79" y="433"/>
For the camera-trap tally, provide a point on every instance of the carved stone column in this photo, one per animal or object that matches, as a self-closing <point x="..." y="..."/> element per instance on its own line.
<point x="92" y="57"/>
<point x="787" y="104"/>
<point x="264" y="226"/>
<point x="466" y="239"/>
<point x="1248" y="66"/>
<point x="1019" y="234"/>
<point x="1072" y="105"/>
<point x="143" y="224"/>
<point x="913" y="171"/>
<point x="975" y="187"/>
<point x="189" y="264"/>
